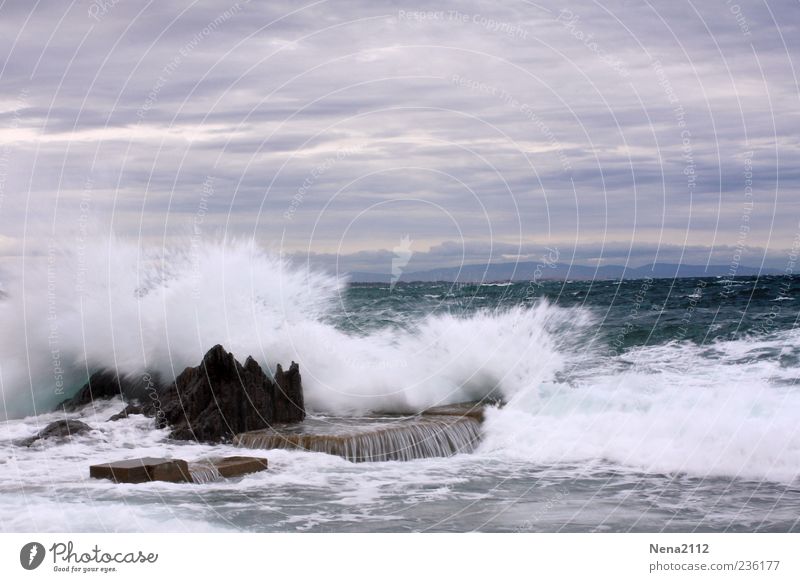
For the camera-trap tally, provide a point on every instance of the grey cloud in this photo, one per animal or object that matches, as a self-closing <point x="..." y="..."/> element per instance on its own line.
<point x="148" y="106"/>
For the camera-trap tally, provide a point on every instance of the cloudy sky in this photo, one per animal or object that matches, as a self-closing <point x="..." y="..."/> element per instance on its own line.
<point x="615" y="131"/>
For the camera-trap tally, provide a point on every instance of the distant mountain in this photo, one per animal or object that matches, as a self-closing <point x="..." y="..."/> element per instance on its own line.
<point x="529" y="271"/>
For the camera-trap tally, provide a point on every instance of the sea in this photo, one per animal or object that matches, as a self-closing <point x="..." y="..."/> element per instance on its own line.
<point x="645" y="405"/>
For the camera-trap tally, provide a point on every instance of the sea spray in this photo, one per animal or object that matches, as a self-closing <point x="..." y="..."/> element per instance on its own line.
<point x="140" y="310"/>
<point x="134" y="311"/>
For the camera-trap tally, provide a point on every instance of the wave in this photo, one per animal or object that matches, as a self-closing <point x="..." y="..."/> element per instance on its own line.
<point x="722" y="411"/>
<point x="115" y="305"/>
<point x="728" y="408"/>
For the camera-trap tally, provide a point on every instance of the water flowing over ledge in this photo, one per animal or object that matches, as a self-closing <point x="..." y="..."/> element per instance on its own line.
<point x="373" y="439"/>
<point x="202" y="473"/>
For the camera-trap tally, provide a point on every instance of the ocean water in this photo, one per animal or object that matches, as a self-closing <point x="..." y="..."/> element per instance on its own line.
<point x="641" y="405"/>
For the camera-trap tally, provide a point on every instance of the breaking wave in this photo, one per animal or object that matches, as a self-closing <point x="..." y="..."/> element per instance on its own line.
<point x="729" y="408"/>
<point x="116" y="306"/>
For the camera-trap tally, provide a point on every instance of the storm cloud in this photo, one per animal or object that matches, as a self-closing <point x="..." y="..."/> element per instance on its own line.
<point x="331" y="131"/>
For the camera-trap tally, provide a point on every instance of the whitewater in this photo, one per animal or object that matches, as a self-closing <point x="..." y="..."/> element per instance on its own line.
<point x="664" y="405"/>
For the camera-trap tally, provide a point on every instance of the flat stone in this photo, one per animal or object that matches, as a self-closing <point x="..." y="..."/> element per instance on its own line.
<point x="236" y="466"/>
<point x="143" y="470"/>
<point x="175" y="471"/>
<point x="372" y="438"/>
<point x="213" y="469"/>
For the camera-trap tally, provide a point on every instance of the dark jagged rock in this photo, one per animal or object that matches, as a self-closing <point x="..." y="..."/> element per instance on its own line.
<point x="107" y="384"/>
<point x="217" y="399"/>
<point x="60" y="429"/>
<point x="288" y="395"/>
<point x="101" y="386"/>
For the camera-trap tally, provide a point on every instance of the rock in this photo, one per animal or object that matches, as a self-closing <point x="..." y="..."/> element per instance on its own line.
<point x="288" y="395"/>
<point x="221" y="398"/>
<point x="60" y="429"/>
<point x="101" y="386"/>
<point x="133" y="408"/>
<point x="148" y="408"/>
<point x="143" y="470"/>
<point x="217" y="399"/>
<point x="107" y="384"/>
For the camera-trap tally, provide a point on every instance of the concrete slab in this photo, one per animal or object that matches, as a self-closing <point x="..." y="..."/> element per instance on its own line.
<point x="468" y="409"/>
<point x="238" y="466"/>
<point x="143" y="470"/>
<point x="372" y="438"/>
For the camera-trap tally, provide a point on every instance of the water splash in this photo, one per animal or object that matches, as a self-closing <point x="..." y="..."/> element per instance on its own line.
<point x="115" y="305"/>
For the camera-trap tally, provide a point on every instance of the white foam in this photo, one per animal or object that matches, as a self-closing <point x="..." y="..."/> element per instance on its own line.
<point x="115" y="306"/>
<point x="676" y="411"/>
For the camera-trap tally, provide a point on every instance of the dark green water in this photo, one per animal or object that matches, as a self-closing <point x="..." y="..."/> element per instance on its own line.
<point x="637" y="312"/>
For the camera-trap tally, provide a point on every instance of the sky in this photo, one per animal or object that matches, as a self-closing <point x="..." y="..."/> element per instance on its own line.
<point x="348" y="134"/>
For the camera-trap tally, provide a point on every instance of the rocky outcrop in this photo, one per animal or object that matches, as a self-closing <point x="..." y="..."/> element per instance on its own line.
<point x="60" y="429"/>
<point x="106" y="384"/>
<point x="211" y="402"/>
<point x="288" y="395"/>
<point x="221" y="398"/>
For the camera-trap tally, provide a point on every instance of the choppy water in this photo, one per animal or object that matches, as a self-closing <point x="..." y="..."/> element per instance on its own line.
<point x="641" y="405"/>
